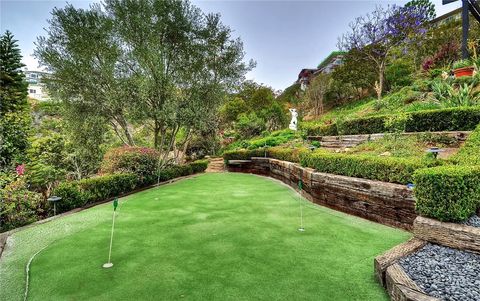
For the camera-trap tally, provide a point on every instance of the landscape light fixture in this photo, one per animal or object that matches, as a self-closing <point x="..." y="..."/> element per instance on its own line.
<point x="54" y="199"/>
<point x="312" y="147"/>
<point x="435" y="151"/>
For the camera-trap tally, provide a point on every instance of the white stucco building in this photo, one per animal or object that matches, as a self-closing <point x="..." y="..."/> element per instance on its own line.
<point x="36" y="89"/>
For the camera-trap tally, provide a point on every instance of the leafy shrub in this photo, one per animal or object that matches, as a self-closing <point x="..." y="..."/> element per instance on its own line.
<point x="249" y="125"/>
<point x="274" y="139"/>
<point x="72" y="196"/>
<point x="141" y="161"/>
<point x="446" y="55"/>
<point x="387" y="169"/>
<point x="321" y="129"/>
<point x="19" y="206"/>
<point x="48" y="107"/>
<point x="469" y="154"/>
<point x="399" y="74"/>
<point x="7" y="177"/>
<point x="199" y="166"/>
<point x="447" y="193"/>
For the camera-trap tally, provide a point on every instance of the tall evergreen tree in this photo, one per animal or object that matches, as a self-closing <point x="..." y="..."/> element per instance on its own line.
<point x="14" y="108"/>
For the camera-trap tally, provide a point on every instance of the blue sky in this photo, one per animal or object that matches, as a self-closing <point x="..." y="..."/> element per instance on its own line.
<point x="281" y="36"/>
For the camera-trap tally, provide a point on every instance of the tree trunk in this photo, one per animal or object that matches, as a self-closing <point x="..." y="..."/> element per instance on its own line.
<point x="381" y="73"/>
<point x="126" y="131"/>
<point x="156" y="132"/>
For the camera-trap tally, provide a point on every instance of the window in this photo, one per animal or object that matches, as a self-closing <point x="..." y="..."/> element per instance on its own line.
<point x="32" y="91"/>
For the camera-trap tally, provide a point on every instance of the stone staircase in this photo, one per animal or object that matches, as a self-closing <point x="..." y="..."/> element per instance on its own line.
<point x="216" y="165"/>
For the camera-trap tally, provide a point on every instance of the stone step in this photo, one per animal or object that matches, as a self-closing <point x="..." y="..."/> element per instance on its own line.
<point x="216" y="165"/>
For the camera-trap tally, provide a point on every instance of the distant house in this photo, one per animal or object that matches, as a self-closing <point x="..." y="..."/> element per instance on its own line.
<point x="326" y="66"/>
<point x="305" y="76"/>
<point x="453" y="15"/>
<point x="333" y="60"/>
<point x="36" y="88"/>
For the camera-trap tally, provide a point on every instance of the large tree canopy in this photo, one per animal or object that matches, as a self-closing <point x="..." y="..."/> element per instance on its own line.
<point x="160" y="64"/>
<point x="14" y="108"/>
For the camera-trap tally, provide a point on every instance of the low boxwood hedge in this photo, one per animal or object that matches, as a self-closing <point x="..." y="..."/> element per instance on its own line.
<point x="288" y="154"/>
<point x="447" y="193"/>
<point x="76" y="194"/>
<point x="452" y="119"/>
<point x="364" y="125"/>
<point x="387" y="169"/>
<point x="320" y="129"/>
<point x="199" y="166"/>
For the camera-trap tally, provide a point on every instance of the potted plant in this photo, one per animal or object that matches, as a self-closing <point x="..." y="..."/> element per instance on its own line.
<point x="463" y="68"/>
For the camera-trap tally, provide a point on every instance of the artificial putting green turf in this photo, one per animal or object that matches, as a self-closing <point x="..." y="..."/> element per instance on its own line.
<point x="221" y="236"/>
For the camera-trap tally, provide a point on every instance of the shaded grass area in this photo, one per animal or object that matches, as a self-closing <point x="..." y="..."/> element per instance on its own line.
<point x="211" y="237"/>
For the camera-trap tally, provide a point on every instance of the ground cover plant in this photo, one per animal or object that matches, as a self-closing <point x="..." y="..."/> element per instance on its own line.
<point x="404" y="146"/>
<point x="211" y="237"/>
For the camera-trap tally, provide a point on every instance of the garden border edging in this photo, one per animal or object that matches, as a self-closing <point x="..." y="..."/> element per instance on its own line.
<point x="452" y="235"/>
<point x="386" y="203"/>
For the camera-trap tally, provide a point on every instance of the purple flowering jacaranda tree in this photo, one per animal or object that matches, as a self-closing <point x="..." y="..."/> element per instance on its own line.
<point x="378" y="32"/>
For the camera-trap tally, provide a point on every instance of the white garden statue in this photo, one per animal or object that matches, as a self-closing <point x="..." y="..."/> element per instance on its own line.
<point x="293" y="122"/>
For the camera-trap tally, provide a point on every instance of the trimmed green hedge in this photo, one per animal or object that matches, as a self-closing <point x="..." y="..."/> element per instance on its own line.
<point x="321" y="129"/>
<point x="452" y="119"/>
<point x="387" y="169"/>
<point x="364" y="125"/>
<point x="86" y="191"/>
<point x="76" y="194"/>
<point x="447" y="193"/>
<point x="288" y="154"/>
<point x="199" y="166"/>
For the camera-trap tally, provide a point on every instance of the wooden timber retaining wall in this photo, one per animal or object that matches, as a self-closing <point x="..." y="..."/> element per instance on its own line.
<point x="386" y="203"/>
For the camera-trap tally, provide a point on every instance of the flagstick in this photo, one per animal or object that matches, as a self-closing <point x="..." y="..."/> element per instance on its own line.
<point x="109" y="264"/>
<point x="300" y="186"/>
<point x="301" y="229"/>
